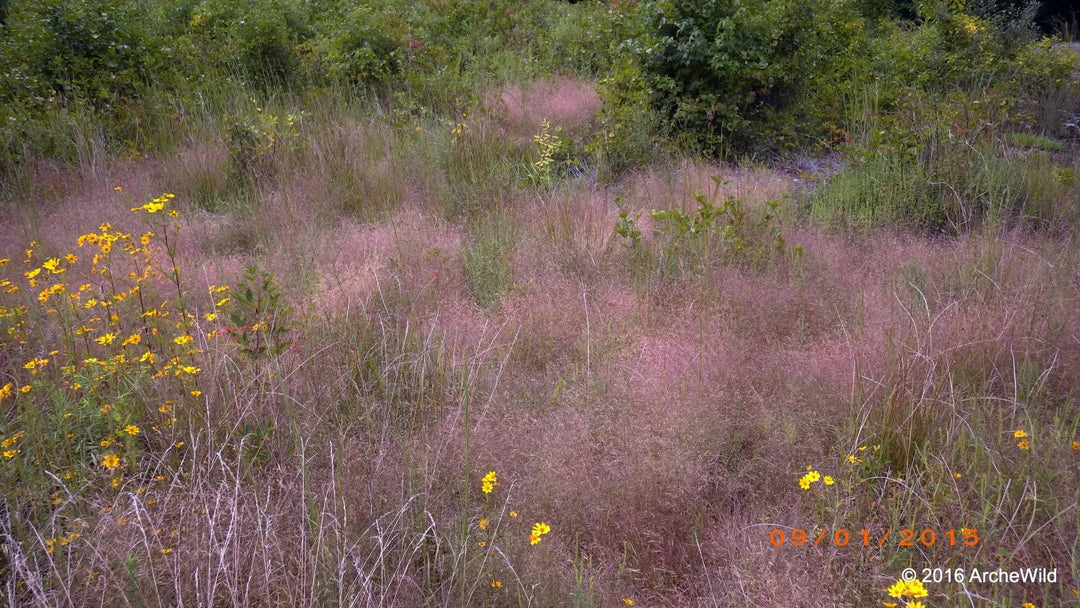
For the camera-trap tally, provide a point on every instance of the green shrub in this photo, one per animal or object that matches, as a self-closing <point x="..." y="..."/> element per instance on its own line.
<point x="715" y="233"/>
<point x="627" y="126"/>
<point x="367" y="46"/>
<point x="733" y="77"/>
<point x="98" y="51"/>
<point x="259" y="39"/>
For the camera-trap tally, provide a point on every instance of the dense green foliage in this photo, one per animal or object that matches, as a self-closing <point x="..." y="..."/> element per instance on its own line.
<point x="132" y="72"/>
<point x="926" y="89"/>
<point x="735" y="76"/>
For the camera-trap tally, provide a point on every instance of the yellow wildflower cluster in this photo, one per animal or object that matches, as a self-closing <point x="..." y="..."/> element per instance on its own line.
<point x="489" y="482"/>
<point x="110" y="330"/>
<point x="155" y="205"/>
<point x="539" y="529"/>
<point x="854" y="459"/>
<point x="907" y="589"/>
<point x="813" y="476"/>
<point x="8" y="445"/>
<point x="1022" y="436"/>
<point x="60" y="541"/>
<point x="10" y="441"/>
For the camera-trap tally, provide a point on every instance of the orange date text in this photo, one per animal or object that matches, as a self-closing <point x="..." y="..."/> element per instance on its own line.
<point x="903" y="537"/>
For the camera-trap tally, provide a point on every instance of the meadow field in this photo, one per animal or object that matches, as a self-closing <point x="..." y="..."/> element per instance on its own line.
<point x="351" y="303"/>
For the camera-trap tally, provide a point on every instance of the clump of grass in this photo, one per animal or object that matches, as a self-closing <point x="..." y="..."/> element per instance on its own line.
<point x="364" y="179"/>
<point x="1037" y="142"/>
<point x="487" y="261"/>
<point x="200" y="176"/>
<point x="480" y="166"/>
<point x="950" y="189"/>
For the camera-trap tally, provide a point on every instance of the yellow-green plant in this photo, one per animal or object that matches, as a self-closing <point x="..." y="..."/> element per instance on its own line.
<point x="554" y="154"/>
<point x="114" y="362"/>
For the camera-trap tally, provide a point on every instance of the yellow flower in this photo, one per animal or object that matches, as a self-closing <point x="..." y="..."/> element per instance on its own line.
<point x="481" y="544"/>
<point x="26" y="388"/>
<point x="111" y="461"/>
<point x="71" y="259"/>
<point x="179" y="444"/>
<point x="804" y="483"/>
<point x="852" y="459"/>
<point x="53" y="265"/>
<point x="106" y="339"/>
<point x="899" y="589"/>
<point x="484" y="523"/>
<point x="813" y="476"/>
<point x="1020" y="434"/>
<point x="151" y="207"/>
<point x="9" y="454"/>
<point x="118" y="189"/>
<point x="1075" y="444"/>
<point x="115" y="482"/>
<point x="182" y="340"/>
<point x="131" y="429"/>
<point x="915" y="589"/>
<point x="540" y="529"/>
<point x="1023" y="445"/>
<point x="513" y="514"/>
<point x="829" y="480"/>
<point x="496" y="584"/>
<point x="196" y="393"/>
<point x="628" y="601"/>
<point x="489" y="482"/>
<point x="914" y="605"/>
<point x="210" y="316"/>
<point x="166" y="551"/>
<point x="1028" y="605"/>
<point x="5" y="392"/>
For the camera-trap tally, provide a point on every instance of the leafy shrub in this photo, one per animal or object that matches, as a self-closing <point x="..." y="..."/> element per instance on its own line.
<point x="260" y="39"/>
<point x="725" y="232"/>
<point x="259" y="316"/>
<point x="95" y="50"/>
<point x="554" y="156"/>
<point x="367" y="46"/>
<point x="627" y="126"/>
<point x="734" y="77"/>
<point x="252" y="142"/>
